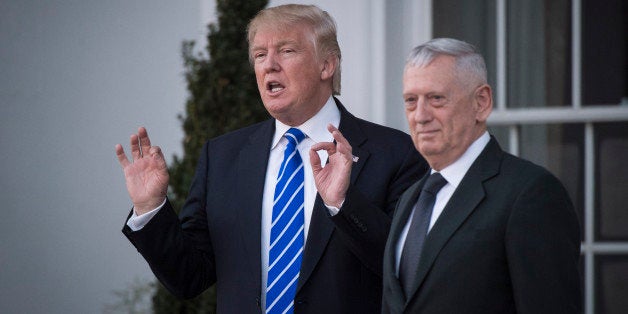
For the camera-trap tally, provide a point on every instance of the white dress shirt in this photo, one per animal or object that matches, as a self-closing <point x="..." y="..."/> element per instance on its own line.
<point x="453" y="174"/>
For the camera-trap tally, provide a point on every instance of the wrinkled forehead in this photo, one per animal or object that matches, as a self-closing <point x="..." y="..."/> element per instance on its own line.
<point x="274" y="36"/>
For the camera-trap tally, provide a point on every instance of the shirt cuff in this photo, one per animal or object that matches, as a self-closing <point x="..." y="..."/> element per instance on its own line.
<point x="333" y="210"/>
<point x="136" y="222"/>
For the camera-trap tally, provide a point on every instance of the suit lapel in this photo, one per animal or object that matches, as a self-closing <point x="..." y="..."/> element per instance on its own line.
<point x="465" y="199"/>
<point x="321" y="227"/>
<point x="353" y="133"/>
<point x="319" y="233"/>
<point x="252" y="174"/>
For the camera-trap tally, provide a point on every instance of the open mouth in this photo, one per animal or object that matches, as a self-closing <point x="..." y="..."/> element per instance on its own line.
<point x="274" y="87"/>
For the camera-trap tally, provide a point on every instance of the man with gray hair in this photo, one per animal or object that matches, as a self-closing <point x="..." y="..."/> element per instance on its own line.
<point x="290" y="215"/>
<point x="484" y="231"/>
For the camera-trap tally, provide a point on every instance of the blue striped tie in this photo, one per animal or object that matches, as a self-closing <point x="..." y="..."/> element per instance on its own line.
<point x="286" y="232"/>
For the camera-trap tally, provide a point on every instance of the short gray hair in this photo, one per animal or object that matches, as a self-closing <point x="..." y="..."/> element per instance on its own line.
<point x="468" y="59"/>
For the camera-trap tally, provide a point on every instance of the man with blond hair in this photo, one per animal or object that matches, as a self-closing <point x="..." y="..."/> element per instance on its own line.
<point x="290" y="215"/>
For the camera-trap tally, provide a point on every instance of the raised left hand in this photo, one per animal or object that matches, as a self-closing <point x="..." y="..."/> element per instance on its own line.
<point x="332" y="181"/>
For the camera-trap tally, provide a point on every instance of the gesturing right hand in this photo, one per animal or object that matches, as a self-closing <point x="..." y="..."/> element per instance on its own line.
<point x="147" y="176"/>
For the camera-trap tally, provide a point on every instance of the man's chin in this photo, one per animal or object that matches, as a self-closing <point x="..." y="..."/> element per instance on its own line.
<point x="276" y="106"/>
<point x="281" y="113"/>
<point x="429" y="150"/>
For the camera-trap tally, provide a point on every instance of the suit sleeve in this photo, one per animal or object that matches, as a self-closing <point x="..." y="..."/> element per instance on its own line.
<point x="178" y="250"/>
<point x="363" y="224"/>
<point x="543" y="249"/>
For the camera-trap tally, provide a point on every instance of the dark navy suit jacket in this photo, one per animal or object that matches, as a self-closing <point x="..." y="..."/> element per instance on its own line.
<point x="217" y="238"/>
<point x="508" y="241"/>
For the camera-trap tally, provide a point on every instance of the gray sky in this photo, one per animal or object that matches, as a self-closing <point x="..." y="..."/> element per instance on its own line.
<point x="77" y="77"/>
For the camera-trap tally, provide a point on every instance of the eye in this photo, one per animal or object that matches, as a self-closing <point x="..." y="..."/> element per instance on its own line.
<point x="259" y="55"/>
<point x="437" y="100"/>
<point x="410" y="101"/>
<point x="287" y="50"/>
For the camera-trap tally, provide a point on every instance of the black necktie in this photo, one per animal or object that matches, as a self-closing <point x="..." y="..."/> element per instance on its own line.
<point x="418" y="230"/>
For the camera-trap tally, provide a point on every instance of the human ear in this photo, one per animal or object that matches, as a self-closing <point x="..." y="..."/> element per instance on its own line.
<point x="483" y="102"/>
<point x="329" y="66"/>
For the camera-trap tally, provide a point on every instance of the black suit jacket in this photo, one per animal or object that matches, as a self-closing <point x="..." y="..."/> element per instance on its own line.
<point x="218" y="237"/>
<point x="508" y="241"/>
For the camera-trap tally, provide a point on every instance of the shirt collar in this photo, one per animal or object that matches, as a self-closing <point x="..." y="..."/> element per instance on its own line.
<point x="457" y="170"/>
<point x="316" y="127"/>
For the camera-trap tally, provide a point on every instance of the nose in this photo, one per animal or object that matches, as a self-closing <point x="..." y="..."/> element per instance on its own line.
<point x="422" y="113"/>
<point x="270" y="63"/>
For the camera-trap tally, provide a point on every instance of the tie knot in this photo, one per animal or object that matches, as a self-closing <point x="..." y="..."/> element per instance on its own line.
<point x="294" y="136"/>
<point x="434" y="183"/>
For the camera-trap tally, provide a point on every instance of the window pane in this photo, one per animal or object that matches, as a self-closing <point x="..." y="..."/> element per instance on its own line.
<point x="581" y="263"/>
<point x="501" y="133"/>
<point x="472" y="21"/>
<point x="539" y="53"/>
<point x="611" y="286"/>
<point x="604" y="52"/>
<point x="611" y="181"/>
<point x="560" y="149"/>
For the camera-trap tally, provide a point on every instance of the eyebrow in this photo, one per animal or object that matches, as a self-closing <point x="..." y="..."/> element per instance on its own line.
<point x="278" y="44"/>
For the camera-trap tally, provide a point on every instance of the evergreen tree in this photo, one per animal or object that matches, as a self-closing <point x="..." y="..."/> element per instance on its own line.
<point x="223" y="96"/>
